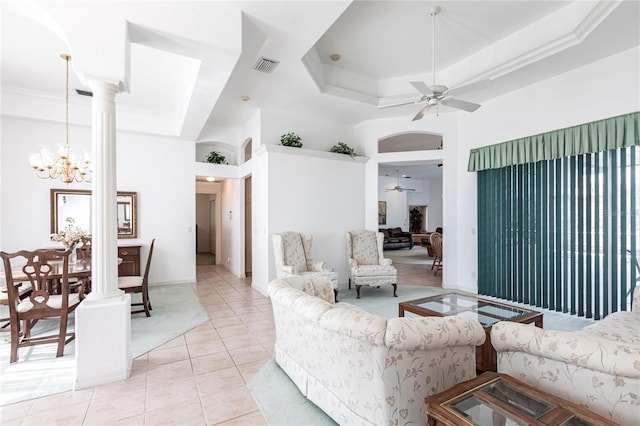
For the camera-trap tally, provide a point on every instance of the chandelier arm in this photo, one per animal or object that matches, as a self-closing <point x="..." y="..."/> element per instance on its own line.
<point x="66" y="168"/>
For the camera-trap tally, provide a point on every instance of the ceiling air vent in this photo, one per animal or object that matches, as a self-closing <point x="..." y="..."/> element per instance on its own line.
<point x="84" y="93"/>
<point x="265" y="65"/>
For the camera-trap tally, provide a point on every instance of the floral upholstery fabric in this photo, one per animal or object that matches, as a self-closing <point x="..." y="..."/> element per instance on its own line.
<point x="364" y="247"/>
<point x="597" y="367"/>
<point x="367" y="264"/>
<point x="293" y="251"/>
<point x="364" y="369"/>
<point x="292" y="254"/>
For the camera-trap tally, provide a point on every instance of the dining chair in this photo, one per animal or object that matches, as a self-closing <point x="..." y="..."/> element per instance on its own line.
<point x="436" y="243"/>
<point x="36" y="268"/>
<point x="139" y="284"/>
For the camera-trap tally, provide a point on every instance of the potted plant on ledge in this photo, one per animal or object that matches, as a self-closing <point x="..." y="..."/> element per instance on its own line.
<point x="343" y="148"/>
<point x="291" y="139"/>
<point x="215" y="157"/>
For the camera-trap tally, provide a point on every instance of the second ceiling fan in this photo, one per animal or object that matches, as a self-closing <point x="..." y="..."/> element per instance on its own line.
<point x="435" y="94"/>
<point x="398" y="187"/>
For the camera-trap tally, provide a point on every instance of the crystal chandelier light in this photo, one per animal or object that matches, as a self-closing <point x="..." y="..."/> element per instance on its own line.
<point x="67" y="167"/>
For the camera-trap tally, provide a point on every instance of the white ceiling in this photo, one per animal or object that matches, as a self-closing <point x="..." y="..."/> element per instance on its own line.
<point x="190" y="62"/>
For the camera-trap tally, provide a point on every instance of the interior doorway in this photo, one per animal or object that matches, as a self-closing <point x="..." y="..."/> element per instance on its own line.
<point x="205" y="229"/>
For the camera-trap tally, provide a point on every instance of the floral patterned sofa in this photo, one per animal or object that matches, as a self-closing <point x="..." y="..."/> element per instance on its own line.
<point x="597" y="367"/>
<point x="361" y="368"/>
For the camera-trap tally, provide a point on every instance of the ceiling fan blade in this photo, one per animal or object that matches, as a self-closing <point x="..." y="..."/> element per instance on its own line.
<point x="482" y="84"/>
<point x="463" y="105"/>
<point x="422" y="87"/>
<point x="391" y="101"/>
<point x="423" y="111"/>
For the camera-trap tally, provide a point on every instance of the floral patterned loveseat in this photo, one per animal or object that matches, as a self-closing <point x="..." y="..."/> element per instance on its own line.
<point x="361" y="368"/>
<point x="597" y="367"/>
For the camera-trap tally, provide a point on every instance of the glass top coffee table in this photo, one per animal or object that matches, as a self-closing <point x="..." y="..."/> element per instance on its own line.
<point x="486" y="312"/>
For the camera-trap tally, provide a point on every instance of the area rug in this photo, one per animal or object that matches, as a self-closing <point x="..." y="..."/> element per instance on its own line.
<point x="417" y="255"/>
<point x="176" y="310"/>
<point x="282" y="403"/>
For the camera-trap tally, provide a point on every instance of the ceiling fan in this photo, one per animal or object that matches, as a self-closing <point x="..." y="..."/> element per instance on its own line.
<point x="398" y="187"/>
<point x="436" y="93"/>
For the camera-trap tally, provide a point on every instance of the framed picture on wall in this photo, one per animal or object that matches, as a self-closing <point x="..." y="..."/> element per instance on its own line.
<point x="382" y="212"/>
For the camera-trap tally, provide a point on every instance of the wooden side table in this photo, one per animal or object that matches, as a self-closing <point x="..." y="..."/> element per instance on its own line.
<point x="499" y="399"/>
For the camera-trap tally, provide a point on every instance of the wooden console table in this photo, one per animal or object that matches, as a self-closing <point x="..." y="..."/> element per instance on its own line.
<point x="499" y="399"/>
<point x="130" y="255"/>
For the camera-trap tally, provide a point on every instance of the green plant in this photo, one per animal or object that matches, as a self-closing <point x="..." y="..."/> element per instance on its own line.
<point x="291" y="139"/>
<point x="216" y="158"/>
<point x="343" y="148"/>
<point x="416" y="220"/>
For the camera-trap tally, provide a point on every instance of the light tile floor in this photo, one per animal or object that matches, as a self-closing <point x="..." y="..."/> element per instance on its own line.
<point x="196" y="379"/>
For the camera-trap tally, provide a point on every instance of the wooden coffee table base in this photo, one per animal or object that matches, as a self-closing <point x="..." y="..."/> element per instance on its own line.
<point x="500" y="399"/>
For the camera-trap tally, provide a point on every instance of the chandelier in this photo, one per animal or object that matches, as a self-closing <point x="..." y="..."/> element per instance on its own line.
<point x="68" y="167"/>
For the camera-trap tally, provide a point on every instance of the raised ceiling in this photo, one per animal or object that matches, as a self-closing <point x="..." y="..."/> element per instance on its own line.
<point x="189" y="63"/>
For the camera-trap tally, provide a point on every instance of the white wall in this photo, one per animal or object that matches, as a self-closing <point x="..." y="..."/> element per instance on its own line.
<point x="600" y="90"/>
<point x="232" y="226"/>
<point x="427" y="193"/>
<point x="435" y="204"/>
<point x="603" y="89"/>
<point x="316" y="133"/>
<point x="307" y="191"/>
<point x="141" y="161"/>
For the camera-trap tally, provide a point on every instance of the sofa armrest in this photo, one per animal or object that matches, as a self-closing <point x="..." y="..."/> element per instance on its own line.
<point x="433" y="333"/>
<point x="636" y="299"/>
<point x="521" y="338"/>
<point x="578" y="348"/>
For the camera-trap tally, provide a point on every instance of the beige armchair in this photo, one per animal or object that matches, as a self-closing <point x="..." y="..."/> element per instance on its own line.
<point x="367" y="264"/>
<point x="292" y="253"/>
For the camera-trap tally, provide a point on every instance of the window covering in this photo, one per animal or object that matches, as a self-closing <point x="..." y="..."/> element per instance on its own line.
<point x="597" y="136"/>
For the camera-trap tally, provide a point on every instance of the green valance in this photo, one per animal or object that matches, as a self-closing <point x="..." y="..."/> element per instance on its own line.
<point x="597" y="136"/>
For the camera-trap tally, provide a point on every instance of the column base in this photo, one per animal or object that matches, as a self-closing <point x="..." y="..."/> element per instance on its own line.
<point x="103" y="341"/>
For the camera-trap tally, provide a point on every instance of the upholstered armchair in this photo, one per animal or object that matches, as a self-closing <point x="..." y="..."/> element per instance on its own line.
<point x="367" y="264"/>
<point x="292" y="253"/>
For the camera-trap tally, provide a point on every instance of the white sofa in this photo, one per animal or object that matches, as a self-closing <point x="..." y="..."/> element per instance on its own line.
<point x="361" y="368"/>
<point x="597" y="367"/>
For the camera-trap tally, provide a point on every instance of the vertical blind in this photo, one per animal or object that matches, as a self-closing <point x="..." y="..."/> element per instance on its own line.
<point x="561" y="233"/>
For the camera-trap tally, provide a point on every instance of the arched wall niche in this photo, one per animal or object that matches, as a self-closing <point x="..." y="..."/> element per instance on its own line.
<point x="246" y="150"/>
<point x="204" y="148"/>
<point x="410" y="141"/>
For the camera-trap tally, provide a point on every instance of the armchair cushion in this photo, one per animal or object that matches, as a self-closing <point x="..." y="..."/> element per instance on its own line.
<point x="364" y="248"/>
<point x="294" y="251"/>
<point x="373" y="270"/>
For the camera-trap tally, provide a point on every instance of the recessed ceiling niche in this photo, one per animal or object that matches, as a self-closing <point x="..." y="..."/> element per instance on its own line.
<point x="204" y="148"/>
<point x="410" y="142"/>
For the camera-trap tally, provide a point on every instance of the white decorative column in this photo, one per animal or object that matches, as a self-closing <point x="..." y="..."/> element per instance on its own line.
<point x="103" y="319"/>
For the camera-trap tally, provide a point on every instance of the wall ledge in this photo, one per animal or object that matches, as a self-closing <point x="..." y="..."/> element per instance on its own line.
<point x="309" y="153"/>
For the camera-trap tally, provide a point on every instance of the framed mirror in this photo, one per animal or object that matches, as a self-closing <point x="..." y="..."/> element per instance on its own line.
<point x="76" y="203"/>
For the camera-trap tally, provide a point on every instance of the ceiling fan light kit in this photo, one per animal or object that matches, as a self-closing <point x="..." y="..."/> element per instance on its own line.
<point x="436" y="93"/>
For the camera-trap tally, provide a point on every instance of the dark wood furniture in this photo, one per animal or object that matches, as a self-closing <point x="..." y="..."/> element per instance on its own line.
<point x="139" y="284"/>
<point x="498" y="399"/>
<point x="485" y="311"/>
<point x="38" y="269"/>
<point x="130" y="255"/>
